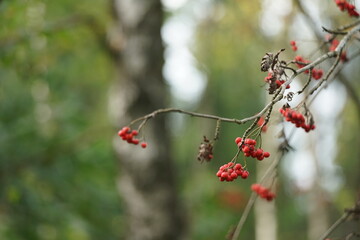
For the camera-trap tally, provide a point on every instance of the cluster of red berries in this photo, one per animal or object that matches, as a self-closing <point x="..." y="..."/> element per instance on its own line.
<point x="249" y="149"/>
<point x="301" y="62"/>
<point x="317" y="73"/>
<point x="333" y="45"/>
<point x="350" y="8"/>
<point x="293" y="45"/>
<point x="263" y="192"/>
<point x="230" y="171"/>
<point x="128" y="135"/>
<point x="296" y="118"/>
<point x="278" y="83"/>
<point x="281" y="82"/>
<point x="260" y="123"/>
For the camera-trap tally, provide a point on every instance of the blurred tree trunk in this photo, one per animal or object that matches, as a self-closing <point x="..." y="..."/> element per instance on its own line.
<point x="317" y="211"/>
<point x="147" y="183"/>
<point x="265" y="212"/>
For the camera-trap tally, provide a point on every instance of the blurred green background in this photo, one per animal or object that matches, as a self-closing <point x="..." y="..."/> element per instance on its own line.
<point x="58" y="169"/>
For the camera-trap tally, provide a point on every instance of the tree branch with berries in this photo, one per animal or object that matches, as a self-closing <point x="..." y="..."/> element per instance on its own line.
<point x="280" y="74"/>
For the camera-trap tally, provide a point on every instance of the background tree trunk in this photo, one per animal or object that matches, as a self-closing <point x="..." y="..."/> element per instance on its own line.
<point x="266" y="226"/>
<point x="147" y="183"/>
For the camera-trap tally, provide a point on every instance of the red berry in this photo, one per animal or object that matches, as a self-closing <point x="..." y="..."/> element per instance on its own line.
<point x="247" y="141"/>
<point x="266" y="154"/>
<point x="246" y="149"/>
<point x="259" y="152"/>
<point x="263" y="192"/>
<point x="292" y="43"/>
<point x="238" y="140"/>
<point x="244" y="174"/>
<point x="144" y="145"/>
<point x="134" y="132"/>
<point x="238" y="166"/>
<point x="229" y="178"/>
<point x="255" y="187"/>
<point x="247" y="154"/>
<point x="224" y="175"/>
<point x="233" y="175"/>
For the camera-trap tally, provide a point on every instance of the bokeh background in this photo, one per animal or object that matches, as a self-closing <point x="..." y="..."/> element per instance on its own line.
<point x="59" y="166"/>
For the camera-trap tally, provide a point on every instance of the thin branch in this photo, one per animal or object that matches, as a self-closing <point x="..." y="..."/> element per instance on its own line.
<point x="193" y="114"/>
<point x="306" y="84"/>
<point x="244" y="216"/>
<point x="350" y="25"/>
<point x="342" y="219"/>
<point x="333" y="31"/>
<point x="335" y="64"/>
<point x="252" y="199"/>
<point x="341" y="78"/>
<point x="353" y="234"/>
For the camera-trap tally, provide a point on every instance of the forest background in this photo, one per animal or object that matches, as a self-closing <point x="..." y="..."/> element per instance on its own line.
<point x="59" y="163"/>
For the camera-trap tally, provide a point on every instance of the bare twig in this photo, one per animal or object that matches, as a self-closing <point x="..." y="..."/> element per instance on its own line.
<point x="193" y="114"/>
<point x="334" y="31"/>
<point x="252" y="199"/>
<point x="353" y="234"/>
<point x="331" y="70"/>
<point x="348" y="212"/>
<point x="354" y="96"/>
<point x="306" y="84"/>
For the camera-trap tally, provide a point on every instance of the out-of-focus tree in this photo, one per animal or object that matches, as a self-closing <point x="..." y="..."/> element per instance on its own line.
<point x="57" y="167"/>
<point x="147" y="182"/>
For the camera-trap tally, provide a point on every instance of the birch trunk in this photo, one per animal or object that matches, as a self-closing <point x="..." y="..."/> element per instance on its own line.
<point x="147" y="183"/>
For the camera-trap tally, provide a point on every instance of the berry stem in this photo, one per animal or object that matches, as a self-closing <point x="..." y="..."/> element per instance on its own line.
<point x="306" y="84"/>
<point x="217" y="130"/>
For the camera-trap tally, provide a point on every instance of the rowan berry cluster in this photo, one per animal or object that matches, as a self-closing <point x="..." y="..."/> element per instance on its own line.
<point x="129" y="135"/>
<point x="333" y="45"/>
<point x="231" y="171"/>
<point x="269" y="79"/>
<point x="317" y="73"/>
<point x="293" y="45"/>
<point x="296" y="118"/>
<point x="301" y="62"/>
<point x="260" y="123"/>
<point x="263" y="192"/>
<point x="350" y="8"/>
<point x="249" y="149"/>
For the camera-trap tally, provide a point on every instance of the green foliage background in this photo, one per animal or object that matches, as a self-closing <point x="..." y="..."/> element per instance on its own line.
<point x="57" y="166"/>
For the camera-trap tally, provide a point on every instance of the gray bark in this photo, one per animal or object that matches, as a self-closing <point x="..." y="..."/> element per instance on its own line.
<point x="147" y="183"/>
<point x="266" y="225"/>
